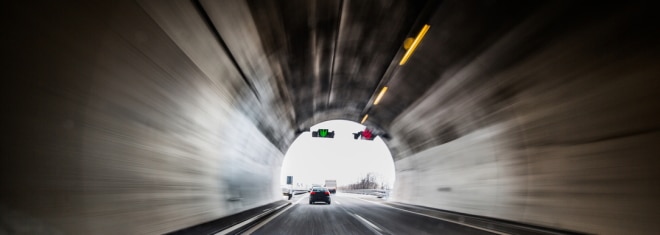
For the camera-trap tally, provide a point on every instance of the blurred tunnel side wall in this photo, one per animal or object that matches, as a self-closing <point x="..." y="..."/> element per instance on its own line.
<point x="114" y="129"/>
<point x="566" y="138"/>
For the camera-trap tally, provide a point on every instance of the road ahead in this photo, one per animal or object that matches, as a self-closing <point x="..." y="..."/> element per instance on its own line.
<point x="354" y="214"/>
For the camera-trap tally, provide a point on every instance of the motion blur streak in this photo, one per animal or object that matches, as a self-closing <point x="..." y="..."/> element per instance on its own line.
<point x="148" y="116"/>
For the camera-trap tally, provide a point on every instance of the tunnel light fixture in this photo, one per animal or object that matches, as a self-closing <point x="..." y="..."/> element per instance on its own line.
<point x="416" y="42"/>
<point x="364" y="119"/>
<point x="380" y="95"/>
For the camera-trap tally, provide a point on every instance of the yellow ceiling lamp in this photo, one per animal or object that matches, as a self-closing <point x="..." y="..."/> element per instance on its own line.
<point x="380" y="95"/>
<point x="364" y="119"/>
<point x="411" y="47"/>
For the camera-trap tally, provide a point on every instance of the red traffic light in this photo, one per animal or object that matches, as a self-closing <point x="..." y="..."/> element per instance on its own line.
<point x="365" y="135"/>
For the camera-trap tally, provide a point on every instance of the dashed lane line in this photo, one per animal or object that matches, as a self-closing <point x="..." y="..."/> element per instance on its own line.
<point x="368" y="224"/>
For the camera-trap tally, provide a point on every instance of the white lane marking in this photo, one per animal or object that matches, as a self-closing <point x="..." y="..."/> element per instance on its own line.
<point x="365" y="221"/>
<point x="258" y="226"/>
<point x="338" y="203"/>
<point x="232" y="228"/>
<point x="301" y="198"/>
<point x="471" y="226"/>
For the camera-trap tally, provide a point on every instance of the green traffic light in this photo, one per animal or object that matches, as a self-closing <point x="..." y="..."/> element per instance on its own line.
<point x="323" y="132"/>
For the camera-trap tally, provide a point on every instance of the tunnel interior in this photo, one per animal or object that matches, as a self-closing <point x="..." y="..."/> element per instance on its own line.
<point x="145" y="117"/>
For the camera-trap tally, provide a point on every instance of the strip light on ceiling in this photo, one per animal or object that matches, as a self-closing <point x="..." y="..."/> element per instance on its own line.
<point x="364" y="119"/>
<point x="380" y="95"/>
<point x="416" y="42"/>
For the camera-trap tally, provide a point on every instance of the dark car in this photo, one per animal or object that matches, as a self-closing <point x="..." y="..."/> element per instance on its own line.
<point x="319" y="194"/>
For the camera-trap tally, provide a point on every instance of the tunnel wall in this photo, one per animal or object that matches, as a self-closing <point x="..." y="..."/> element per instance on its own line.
<point x="110" y="127"/>
<point x="566" y="138"/>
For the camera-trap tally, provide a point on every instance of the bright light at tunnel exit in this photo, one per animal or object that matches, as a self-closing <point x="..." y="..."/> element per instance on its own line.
<point x="313" y="160"/>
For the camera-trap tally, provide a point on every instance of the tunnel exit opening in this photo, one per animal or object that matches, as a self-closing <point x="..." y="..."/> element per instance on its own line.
<point x="353" y="163"/>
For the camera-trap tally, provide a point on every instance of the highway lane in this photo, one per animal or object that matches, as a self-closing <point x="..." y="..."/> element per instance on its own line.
<point x="355" y="214"/>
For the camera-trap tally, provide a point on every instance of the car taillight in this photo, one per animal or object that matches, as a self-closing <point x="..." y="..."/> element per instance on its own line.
<point x="312" y="193"/>
<point x="327" y="193"/>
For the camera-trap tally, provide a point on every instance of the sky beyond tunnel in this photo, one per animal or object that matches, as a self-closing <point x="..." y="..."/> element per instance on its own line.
<point x="313" y="160"/>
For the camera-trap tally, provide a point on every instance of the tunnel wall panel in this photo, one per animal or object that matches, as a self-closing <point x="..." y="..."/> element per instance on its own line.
<point x="589" y="188"/>
<point x="573" y="145"/>
<point x="115" y="130"/>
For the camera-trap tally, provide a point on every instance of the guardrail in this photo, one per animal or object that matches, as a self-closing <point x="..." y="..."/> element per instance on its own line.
<point x="381" y="193"/>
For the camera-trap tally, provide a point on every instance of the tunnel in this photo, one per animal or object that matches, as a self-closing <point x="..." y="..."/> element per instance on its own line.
<point x="149" y="117"/>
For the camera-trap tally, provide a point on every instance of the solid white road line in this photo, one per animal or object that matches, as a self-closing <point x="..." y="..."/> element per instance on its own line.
<point x="232" y="228"/>
<point x="471" y="226"/>
<point x="301" y="198"/>
<point x="258" y="226"/>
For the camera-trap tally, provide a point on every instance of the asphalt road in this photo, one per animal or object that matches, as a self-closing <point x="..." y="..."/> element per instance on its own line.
<point x="354" y="214"/>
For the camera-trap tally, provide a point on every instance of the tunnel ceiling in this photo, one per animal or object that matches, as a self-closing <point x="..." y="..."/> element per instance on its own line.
<point x="333" y="57"/>
<point x="334" y="54"/>
<point x="300" y="63"/>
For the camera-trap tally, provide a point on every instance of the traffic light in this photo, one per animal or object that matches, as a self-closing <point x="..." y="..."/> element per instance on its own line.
<point x="365" y="135"/>
<point x="357" y="135"/>
<point x="323" y="133"/>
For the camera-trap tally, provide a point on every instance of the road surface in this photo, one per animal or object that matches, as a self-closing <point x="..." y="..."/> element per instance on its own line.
<point x="354" y="214"/>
